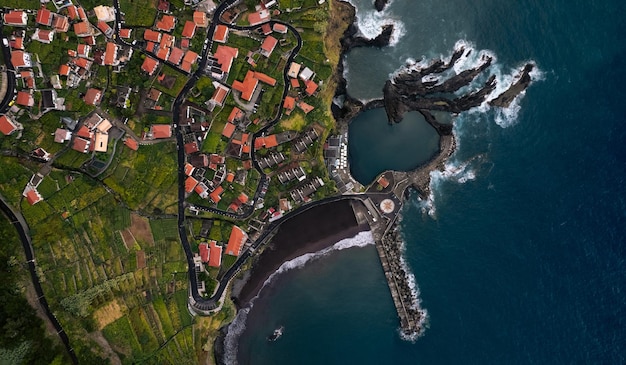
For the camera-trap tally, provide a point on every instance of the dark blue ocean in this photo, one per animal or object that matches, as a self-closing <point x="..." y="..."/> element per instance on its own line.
<point x="519" y="256"/>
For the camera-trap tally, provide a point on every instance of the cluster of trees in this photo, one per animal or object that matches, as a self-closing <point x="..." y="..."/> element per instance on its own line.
<point x="79" y="304"/>
<point x="23" y="337"/>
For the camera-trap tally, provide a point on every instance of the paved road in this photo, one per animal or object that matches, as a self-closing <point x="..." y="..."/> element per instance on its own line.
<point x="22" y="229"/>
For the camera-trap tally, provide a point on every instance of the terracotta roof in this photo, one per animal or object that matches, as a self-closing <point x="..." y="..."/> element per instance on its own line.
<point x="82" y="29"/>
<point x="184" y="43"/>
<point x="61" y="24"/>
<point x="215" y="254"/>
<point x="72" y="12"/>
<point x="44" y="17"/>
<point x="151" y="35"/>
<point x="203" y="248"/>
<point x="81" y="13"/>
<point x="237" y="238"/>
<point x="166" y="23"/>
<point x="44" y="36"/>
<point x="295" y="83"/>
<point x="161" y="130"/>
<point x="280" y="28"/>
<point x="189" y="169"/>
<point x="167" y="40"/>
<point x="33" y="197"/>
<point x="229" y="128"/>
<point x="311" y="87"/>
<point x="104" y="28"/>
<point x="191" y="147"/>
<point x="258" y="17"/>
<point x="306" y="108"/>
<point x="265" y="142"/>
<point x="225" y="56"/>
<point x="80" y="144"/>
<point x="18" y="59"/>
<point x="190" y="184"/>
<point x="247" y="86"/>
<point x="82" y="62"/>
<point x="25" y="99"/>
<point x="16" y="17"/>
<point x="176" y="55"/>
<point x="125" y="33"/>
<point x="220" y="94"/>
<point x="90" y="40"/>
<point x="7" y="126"/>
<point x="191" y="57"/>
<point x="189" y="30"/>
<point x="235" y="114"/>
<point x="163" y="53"/>
<point x="131" y="143"/>
<point x="215" y="195"/>
<point x="93" y="96"/>
<point x="266" y="29"/>
<point x="84" y="132"/>
<point x="150" y="46"/>
<point x="221" y="33"/>
<point x="264" y="78"/>
<point x="268" y="45"/>
<point x="230" y="177"/>
<point x="82" y="50"/>
<point x="383" y="182"/>
<point x="17" y="43"/>
<point x="110" y="54"/>
<point x="289" y="103"/>
<point x="200" y="18"/>
<point x="243" y="198"/>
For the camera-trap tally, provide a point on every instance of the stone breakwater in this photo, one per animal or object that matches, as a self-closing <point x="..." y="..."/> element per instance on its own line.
<point x="413" y="318"/>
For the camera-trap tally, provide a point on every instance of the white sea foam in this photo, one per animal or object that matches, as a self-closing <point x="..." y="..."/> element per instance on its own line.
<point x="371" y="23"/>
<point x="238" y="325"/>
<point x="416" y="302"/>
<point x="453" y="171"/>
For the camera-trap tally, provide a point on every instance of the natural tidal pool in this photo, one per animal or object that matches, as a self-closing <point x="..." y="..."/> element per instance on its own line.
<point x="376" y="146"/>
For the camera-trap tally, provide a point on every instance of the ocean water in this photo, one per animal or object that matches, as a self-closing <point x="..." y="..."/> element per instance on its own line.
<point x="519" y="253"/>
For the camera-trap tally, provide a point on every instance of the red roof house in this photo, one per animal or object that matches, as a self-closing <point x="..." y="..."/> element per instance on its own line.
<point x="161" y="131"/>
<point x="152" y="36"/>
<point x="110" y="55"/>
<point x="204" y="251"/>
<point x="289" y="104"/>
<point x="20" y="59"/>
<point x="60" y="23"/>
<point x="166" y="23"/>
<point x="125" y="33"/>
<point x="215" y="254"/>
<point x="268" y="45"/>
<point x="44" y="17"/>
<point x="7" y="126"/>
<point x="265" y="79"/>
<point x="225" y="56"/>
<point x="259" y="17"/>
<point x="82" y="29"/>
<point x="229" y="128"/>
<point x="189" y="30"/>
<point x="221" y="33"/>
<point x="25" y="99"/>
<point x="190" y="184"/>
<point x="215" y="195"/>
<point x="279" y="28"/>
<point x="200" y="19"/>
<point x="131" y="143"/>
<point x="220" y="94"/>
<point x="150" y="65"/>
<point x="32" y="196"/>
<point x="81" y="145"/>
<point x="176" y="55"/>
<point x="93" y="97"/>
<point x="237" y="238"/>
<point x="247" y="86"/>
<point x="191" y="147"/>
<point x="311" y="87"/>
<point x="235" y="115"/>
<point x="16" y="17"/>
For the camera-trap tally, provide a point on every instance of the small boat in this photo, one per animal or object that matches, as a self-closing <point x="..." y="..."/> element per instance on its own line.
<point x="276" y="334"/>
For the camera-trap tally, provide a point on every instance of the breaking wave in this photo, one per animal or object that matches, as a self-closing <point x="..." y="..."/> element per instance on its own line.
<point x="371" y="23"/>
<point x="238" y="325"/>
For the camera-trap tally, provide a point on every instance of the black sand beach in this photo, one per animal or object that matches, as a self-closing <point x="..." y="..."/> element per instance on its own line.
<point x="311" y="231"/>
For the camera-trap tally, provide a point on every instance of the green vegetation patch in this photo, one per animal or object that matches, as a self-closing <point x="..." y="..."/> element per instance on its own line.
<point x="139" y="13"/>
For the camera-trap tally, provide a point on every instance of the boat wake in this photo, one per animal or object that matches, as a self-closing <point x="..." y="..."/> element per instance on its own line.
<point x="238" y="325"/>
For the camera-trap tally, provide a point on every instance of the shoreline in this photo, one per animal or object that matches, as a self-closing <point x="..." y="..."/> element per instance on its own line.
<point x="310" y="232"/>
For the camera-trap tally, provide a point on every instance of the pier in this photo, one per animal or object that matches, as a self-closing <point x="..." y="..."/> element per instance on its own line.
<point x="381" y="209"/>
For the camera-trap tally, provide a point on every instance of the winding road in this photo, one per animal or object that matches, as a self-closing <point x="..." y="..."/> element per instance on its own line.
<point x="22" y="229"/>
